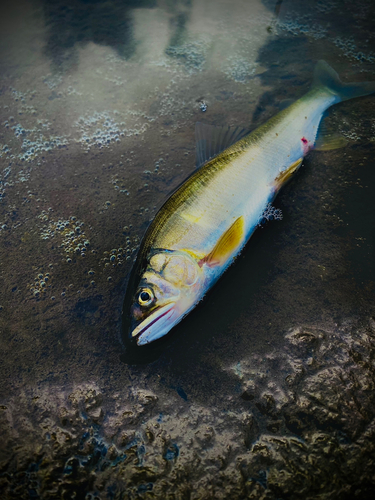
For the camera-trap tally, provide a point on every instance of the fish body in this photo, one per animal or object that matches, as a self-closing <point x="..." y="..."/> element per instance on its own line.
<point x="207" y="221"/>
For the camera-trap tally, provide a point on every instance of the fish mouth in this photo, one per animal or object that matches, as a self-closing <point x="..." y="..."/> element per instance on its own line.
<point x="158" y="324"/>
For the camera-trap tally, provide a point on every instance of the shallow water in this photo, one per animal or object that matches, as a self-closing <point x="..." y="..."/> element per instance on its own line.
<point x="266" y="390"/>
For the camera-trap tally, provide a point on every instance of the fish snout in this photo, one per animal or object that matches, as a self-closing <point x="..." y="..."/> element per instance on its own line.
<point x="156" y="325"/>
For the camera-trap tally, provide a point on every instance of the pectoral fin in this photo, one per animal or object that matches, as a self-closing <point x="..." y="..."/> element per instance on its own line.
<point x="284" y="176"/>
<point x="227" y="244"/>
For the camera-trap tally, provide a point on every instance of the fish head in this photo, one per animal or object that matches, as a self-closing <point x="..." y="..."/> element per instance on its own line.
<point x="167" y="290"/>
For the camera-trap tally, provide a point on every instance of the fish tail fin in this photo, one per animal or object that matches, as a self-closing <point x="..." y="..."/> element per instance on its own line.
<point x="325" y="76"/>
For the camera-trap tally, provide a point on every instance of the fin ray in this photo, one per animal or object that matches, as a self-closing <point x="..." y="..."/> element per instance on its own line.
<point x="327" y="140"/>
<point x="212" y="140"/>
<point x="325" y="76"/>
<point x="284" y="176"/>
<point x="226" y="245"/>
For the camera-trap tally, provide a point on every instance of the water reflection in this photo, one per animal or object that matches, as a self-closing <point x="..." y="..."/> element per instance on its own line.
<point x="78" y="22"/>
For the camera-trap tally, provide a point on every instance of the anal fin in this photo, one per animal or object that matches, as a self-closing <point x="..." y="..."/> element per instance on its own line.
<point x="284" y="176"/>
<point x="226" y="245"/>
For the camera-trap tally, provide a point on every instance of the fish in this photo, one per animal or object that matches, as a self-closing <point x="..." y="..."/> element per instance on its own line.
<point x="206" y="222"/>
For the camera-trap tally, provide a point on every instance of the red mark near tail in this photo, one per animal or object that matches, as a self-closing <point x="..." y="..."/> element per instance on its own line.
<point x="306" y="145"/>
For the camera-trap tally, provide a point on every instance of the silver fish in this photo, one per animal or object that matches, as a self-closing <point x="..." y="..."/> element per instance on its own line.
<point x="207" y="221"/>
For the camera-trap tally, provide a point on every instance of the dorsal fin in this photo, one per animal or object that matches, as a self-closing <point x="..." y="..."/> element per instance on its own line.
<point x="212" y="140"/>
<point x="226" y="245"/>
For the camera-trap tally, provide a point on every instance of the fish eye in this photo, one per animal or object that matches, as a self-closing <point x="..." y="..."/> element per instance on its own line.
<point x="145" y="297"/>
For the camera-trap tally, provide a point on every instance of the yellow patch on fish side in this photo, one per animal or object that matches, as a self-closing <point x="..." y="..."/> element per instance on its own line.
<point x="191" y="218"/>
<point x="197" y="257"/>
<point x="284" y="176"/>
<point x="227" y="244"/>
<point x="197" y="218"/>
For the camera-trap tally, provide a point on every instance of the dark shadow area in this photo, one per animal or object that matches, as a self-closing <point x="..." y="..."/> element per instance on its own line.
<point x="180" y="15"/>
<point x="73" y="22"/>
<point x="205" y="341"/>
<point x="281" y="74"/>
<point x="208" y="323"/>
<point x="358" y="211"/>
<point x="180" y="12"/>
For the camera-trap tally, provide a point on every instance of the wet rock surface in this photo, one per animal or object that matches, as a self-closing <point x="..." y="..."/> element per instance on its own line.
<point x="266" y="391"/>
<point x="308" y="432"/>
